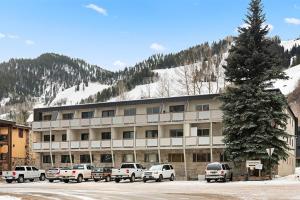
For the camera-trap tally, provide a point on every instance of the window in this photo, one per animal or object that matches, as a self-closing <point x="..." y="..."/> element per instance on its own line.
<point x="20" y="133"/>
<point x="105" y="135"/>
<point x="28" y="169"/>
<point x="127" y="166"/>
<point x="47" y="159"/>
<point x="34" y="169"/>
<point x="176" y="157"/>
<point x="129" y="111"/>
<point x="151" y="133"/>
<point x="87" y="115"/>
<point x="47" y="117"/>
<point x="201" y="157"/>
<point x="3" y="138"/>
<point x="67" y="116"/>
<point x="202" y="132"/>
<point x="19" y="168"/>
<point x="47" y="138"/>
<point x="204" y="107"/>
<point x="108" y="113"/>
<point x="85" y="158"/>
<point x="106" y="158"/>
<point x="166" y="167"/>
<point x="64" y="137"/>
<point x="223" y="157"/>
<point x="153" y="110"/>
<point x="127" y="158"/>
<point x="139" y="166"/>
<point x="84" y="136"/>
<point x="178" y="108"/>
<point x="151" y="157"/>
<point x="128" y="135"/>
<point x="176" y="133"/>
<point x="66" y="159"/>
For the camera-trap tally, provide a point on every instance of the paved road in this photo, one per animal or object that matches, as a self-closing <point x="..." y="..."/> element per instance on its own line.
<point x="179" y="190"/>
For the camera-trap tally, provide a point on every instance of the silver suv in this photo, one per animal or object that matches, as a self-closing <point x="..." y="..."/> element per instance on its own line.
<point x="218" y="171"/>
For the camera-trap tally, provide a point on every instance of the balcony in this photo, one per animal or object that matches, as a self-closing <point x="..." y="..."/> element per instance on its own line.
<point x="130" y="143"/>
<point x="213" y="115"/>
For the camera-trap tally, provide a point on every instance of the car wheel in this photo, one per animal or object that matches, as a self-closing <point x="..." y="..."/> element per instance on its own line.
<point x="51" y="180"/>
<point x="224" y="179"/>
<point x="79" y="179"/>
<point x="132" y="178"/>
<point x="8" y="181"/>
<point x="208" y="180"/>
<point x="107" y="179"/>
<point x="231" y="177"/>
<point x="20" y="179"/>
<point x="31" y="180"/>
<point x="86" y="179"/>
<point x="96" y="180"/>
<point x="172" y="177"/>
<point x="144" y="180"/>
<point x="42" y="177"/>
<point x="117" y="180"/>
<point x="66" y="181"/>
<point x="160" y="178"/>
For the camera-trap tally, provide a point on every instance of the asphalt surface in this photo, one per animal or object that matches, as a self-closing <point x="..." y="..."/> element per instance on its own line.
<point x="179" y="190"/>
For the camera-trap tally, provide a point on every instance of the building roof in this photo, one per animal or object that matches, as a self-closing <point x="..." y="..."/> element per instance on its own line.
<point x="4" y="122"/>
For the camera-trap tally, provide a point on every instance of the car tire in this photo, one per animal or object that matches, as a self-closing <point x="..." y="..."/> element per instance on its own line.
<point x="132" y="178"/>
<point x="79" y="179"/>
<point x="42" y="177"/>
<point x="172" y="177"/>
<point x="96" y="180"/>
<point x="51" y="180"/>
<point x="66" y="181"/>
<point x="107" y="179"/>
<point x="160" y="178"/>
<point x="117" y="180"/>
<point x="144" y="180"/>
<point x="208" y="180"/>
<point x="31" y="180"/>
<point x="8" y="181"/>
<point x="86" y="179"/>
<point x="20" y="179"/>
<point x="224" y="179"/>
<point x="231" y="177"/>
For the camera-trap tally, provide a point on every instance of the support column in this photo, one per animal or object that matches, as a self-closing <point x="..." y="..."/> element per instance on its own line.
<point x="91" y="157"/>
<point x="211" y="142"/>
<point x="134" y="137"/>
<point x="186" y="133"/>
<point x="160" y="131"/>
<point x="113" y="135"/>
<point x="69" y="141"/>
<point x="50" y="146"/>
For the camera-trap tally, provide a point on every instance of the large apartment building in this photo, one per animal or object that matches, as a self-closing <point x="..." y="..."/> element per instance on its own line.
<point x="14" y="144"/>
<point x="185" y="131"/>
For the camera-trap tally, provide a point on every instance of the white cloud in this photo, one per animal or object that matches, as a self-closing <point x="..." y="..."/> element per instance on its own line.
<point x="292" y="20"/>
<point x="119" y="64"/>
<point x="97" y="9"/>
<point x="157" y="47"/>
<point x="29" y="42"/>
<point x="13" y="36"/>
<point x="2" y="35"/>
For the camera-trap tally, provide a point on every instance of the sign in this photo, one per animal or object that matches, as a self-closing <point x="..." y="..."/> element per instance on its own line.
<point x="252" y="163"/>
<point x="259" y="166"/>
<point x="270" y="151"/>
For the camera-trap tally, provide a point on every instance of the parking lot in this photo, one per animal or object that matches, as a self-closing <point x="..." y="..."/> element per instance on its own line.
<point x="276" y="189"/>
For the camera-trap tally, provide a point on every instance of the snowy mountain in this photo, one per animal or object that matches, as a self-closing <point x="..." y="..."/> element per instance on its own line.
<point x="289" y="44"/>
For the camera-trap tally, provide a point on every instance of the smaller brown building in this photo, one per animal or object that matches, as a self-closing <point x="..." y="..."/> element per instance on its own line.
<point x="14" y="145"/>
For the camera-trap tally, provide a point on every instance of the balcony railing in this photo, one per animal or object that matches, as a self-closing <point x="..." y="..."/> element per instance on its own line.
<point x="129" y="143"/>
<point x="215" y="115"/>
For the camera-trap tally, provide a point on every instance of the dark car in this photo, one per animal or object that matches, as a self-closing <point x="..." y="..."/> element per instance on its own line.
<point x="101" y="173"/>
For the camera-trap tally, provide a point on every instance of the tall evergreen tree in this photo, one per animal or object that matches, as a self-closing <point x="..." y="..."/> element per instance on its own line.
<point x="254" y="117"/>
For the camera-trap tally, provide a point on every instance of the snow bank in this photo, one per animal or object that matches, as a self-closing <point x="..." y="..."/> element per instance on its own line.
<point x="289" y="44"/>
<point x="6" y="197"/>
<point x="288" y="86"/>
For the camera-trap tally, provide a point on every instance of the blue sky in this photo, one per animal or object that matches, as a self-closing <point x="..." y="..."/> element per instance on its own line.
<point x="118" y="33"/>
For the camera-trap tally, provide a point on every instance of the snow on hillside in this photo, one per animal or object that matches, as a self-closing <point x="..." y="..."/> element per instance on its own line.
<point x="288" y="86"/>
<point x="289" y="44"/>
<point x="71" y="96"/>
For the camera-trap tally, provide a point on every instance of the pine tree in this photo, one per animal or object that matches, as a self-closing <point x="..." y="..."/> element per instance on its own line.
<point x="253" y="115"/>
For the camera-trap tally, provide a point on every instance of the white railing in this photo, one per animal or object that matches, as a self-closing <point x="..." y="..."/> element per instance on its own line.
<point x="130" y="143"/>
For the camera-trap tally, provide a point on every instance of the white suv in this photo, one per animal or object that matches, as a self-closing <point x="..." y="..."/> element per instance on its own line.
<point x="159" y="172"/>
<point x="218" y="171"/>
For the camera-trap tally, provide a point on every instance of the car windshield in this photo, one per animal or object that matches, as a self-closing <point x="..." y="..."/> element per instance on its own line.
<point x="155" y="167"/>
<point x="213" y="167"/>
<point x="19" y="169"/>
<point x="127" y="166"/>
<point x="78" y="167"/>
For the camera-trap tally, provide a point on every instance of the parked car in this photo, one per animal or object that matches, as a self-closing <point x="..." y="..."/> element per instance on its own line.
<point x="129" y="171"/>
<point x="78" y="173"/>
<point x="159" y="172"/>
<point x="218" y="171"/>
<point x="23" y="173"/>
<point x="54" y="173"/>
<point x="101" y="173"/>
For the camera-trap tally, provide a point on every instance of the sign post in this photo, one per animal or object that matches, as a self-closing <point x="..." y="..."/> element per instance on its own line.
<point x="270" y="152"/>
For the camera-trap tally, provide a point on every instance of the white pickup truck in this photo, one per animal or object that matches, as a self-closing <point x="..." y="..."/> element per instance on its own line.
<point x="129" y="171"/>
<point x="77" y="173"/>
<point x="23" y="173"/>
